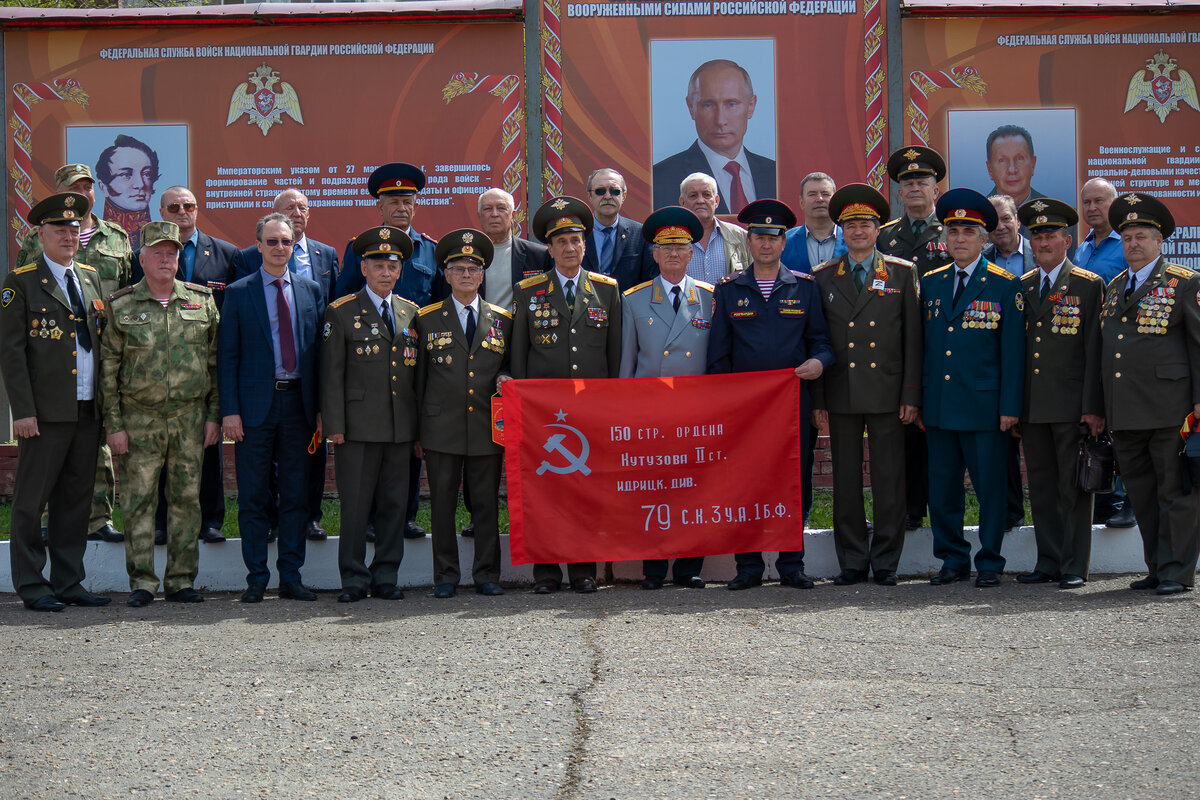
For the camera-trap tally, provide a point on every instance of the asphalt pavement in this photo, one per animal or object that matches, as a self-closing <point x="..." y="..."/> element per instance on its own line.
<point x="839" y="692"/>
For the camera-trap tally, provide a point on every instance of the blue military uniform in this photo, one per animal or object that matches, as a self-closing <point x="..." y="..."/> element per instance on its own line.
<point x="751" y="333"/>
<point x="973" y="374"/>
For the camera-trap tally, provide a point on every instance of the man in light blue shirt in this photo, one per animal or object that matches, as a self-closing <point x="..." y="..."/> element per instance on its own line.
<point x="1100" y="251"/>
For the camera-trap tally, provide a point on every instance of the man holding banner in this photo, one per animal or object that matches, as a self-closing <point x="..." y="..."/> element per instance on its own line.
<point x="768" y="318"/>
<point x="567" y="325"/>
<point x="677" y="344"/>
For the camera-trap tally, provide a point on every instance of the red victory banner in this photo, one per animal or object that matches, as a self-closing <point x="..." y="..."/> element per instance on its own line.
<point x="617" y="470"/>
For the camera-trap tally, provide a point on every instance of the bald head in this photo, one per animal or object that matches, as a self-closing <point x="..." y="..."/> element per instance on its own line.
<point x="1094" y="199"/>
<point x="293" y="204"/>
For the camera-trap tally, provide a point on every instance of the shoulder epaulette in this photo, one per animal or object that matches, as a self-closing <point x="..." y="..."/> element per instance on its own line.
<point x="1080" y="272"/>
<point x="600" y="277"/>
<point x="639" y="287"/>
<point x="1178" y="271"/>
<point x="114" y="228"/>
<point x="429" y="309"/>
<point x="904" y="262"/>
<point x="428" y="238"/>
<point x="341" y="301"/>
<point x="825" y="265"/>
<point x="804" y="275"/>
<point x="195" y="287"/>
<point x="502" y="311"/>
<point x="1124" y="276"/>
<point x="534" y="281"/>
<point x="121" y="293"/>
<point x="705" y="285"/>
<point x="24" y="269"/>
<point x="404" y="301"/>
<point x="890" y="222"/>
<point x="936" y="271"/>
<point x="1001" y="271"/>
<point x="1030" y="274"/>
<point x="731" y="276"/>
<point x="85" y="266"/>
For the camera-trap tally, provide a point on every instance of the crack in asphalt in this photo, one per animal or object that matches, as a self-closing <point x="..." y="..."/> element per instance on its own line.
<point x="576" y="752"/>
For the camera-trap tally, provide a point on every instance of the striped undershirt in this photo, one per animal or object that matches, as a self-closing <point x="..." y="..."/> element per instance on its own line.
<point x="765" y="287"/>
<point x="86" y="236"/>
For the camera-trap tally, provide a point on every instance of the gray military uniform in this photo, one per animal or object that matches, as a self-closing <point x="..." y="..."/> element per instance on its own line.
<point x="655" y="339"/>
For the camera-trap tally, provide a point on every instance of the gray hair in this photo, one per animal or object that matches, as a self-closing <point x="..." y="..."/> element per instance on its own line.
<point x="816" y="176"/>
<point x="704" y="177"/>
<point x="274" y="216"/>
<point x="999" y="200"/>
<point x="1109" y="189"/>
<point x="508" y="198"/>
<point x="596" y="172"/>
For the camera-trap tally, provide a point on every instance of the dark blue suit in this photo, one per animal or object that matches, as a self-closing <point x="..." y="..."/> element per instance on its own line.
<point x="278" y="418"/>
<point x="671" y="171"/>
<point x="769" y="334"/>
<point x="974" y="373"/>
<point x="416" y="276"/>
<point x="632" y="263"/>
<point x="322" y="259"/>
<point x="795" y="252"/>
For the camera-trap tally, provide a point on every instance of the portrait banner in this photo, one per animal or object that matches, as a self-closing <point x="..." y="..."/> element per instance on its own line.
<point x="615" y="470"/>
<point x="659" y="90"/>
<point x="1096" y="97"/>
<point x="238" y="113"/>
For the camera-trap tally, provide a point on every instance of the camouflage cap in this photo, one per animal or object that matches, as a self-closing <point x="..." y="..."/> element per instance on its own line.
<point x="69" y="173"/>
<point x="155" y="232"/>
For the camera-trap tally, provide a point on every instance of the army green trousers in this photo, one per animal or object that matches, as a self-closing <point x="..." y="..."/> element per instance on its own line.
<point x="158" y="443"/>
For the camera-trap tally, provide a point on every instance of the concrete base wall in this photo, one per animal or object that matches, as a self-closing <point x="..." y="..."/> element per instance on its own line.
<point x="222" y="569"/>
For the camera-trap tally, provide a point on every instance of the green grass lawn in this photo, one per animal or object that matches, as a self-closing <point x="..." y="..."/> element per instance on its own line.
<point x="820" y="517"/>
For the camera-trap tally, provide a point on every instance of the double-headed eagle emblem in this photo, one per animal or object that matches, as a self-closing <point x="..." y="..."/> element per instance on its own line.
<point x="1161" y="93"/>
<point x="263" y="102"/>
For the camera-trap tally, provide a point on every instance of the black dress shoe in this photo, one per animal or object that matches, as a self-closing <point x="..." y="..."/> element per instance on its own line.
<point x="1015" y="522"/>
<point x="797" y="580"/>
<point x="413" y="531"/>
<point x="46" y="602"/>
<point x="139" y="598"/>
<point x="987" y="578"/>
<point x="87" y="599"/>
<point x="912" y="523"/>
<point x="272" y="535"/>
<point x="1170" y="587"/>
<point x="1070" y="582"/>
<point x="849" y="577"/>
<point x="352" y="594"/>
<point x="387" y="591"/>
<point x="652" y="583"/>
<point x="490" y="589"/>
<point x="211" y="535"/>
<point x="185" y="595"/>
<point x="694" y="582"/>
<point x="583" y="585"/>
<point x="1036" y="577"/>
<point x="1123" y="518"/>
<point x="106" y="534"/>
<point x="469" y="531"/>
<point x="744" y="580"/>
<point x="545" y="587"/>
<point x="295" y="591"/>
<point x="254" y="594"/>
<point x="316" y="533"/>
<point x="371" y="532"/>
<point x="885" y="577"/>
<point x="444" y="590"/>
<point x="160" y="537"/>
<point x="1144" y="583"/>
<point x="947" y="575"/>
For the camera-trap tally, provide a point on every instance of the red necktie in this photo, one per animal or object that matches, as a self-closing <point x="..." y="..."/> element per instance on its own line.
<point x="737" y="197"/>
<point x="287" y="341"/>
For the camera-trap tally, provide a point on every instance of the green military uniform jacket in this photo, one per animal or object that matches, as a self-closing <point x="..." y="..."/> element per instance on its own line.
<point x="1062" y="346"/>
<point x="549" y="341"/>
<point x="368" y="378"/>
<point x="159" y="361"/>
<point x="927" y="252"/>
<point x="108" y="251"/>
<point x="876" y="336"/>
<point x="456" y="378"/>
<point x="1151" y="349"/>
<point x="37" y="340"/>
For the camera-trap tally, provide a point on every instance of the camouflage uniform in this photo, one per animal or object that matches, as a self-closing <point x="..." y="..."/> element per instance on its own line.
<point x="109" y="252"/>
<point x="159" y="378"/>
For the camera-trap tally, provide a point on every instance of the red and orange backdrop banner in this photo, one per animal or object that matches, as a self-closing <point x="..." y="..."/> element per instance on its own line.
<point x="238" y="113"/>
<point x="1112" y="97"/>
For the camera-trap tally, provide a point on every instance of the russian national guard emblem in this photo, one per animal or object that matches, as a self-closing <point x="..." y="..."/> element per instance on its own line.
<point x="265" y="98"/>
<point x="1159" y="90"/>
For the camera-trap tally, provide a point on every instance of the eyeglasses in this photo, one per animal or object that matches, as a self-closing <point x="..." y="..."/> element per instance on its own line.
<point x="277" y="242"/>
<point x="174" y="207"/>
<point x="674" y="249"/>
<point x="465" y="270"/>
<point x="603" y="190"/>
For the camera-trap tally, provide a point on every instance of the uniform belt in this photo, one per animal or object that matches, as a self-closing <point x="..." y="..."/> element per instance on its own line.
<point x="291" y="385"/>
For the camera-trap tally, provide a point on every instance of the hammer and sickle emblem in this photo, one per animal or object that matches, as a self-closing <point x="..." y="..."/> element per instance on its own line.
<point x="575" y="463"/>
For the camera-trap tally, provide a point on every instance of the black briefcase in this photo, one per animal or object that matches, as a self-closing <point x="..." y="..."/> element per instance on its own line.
<point x="1095" y="466"/>
<point x="1189" y="462"/>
